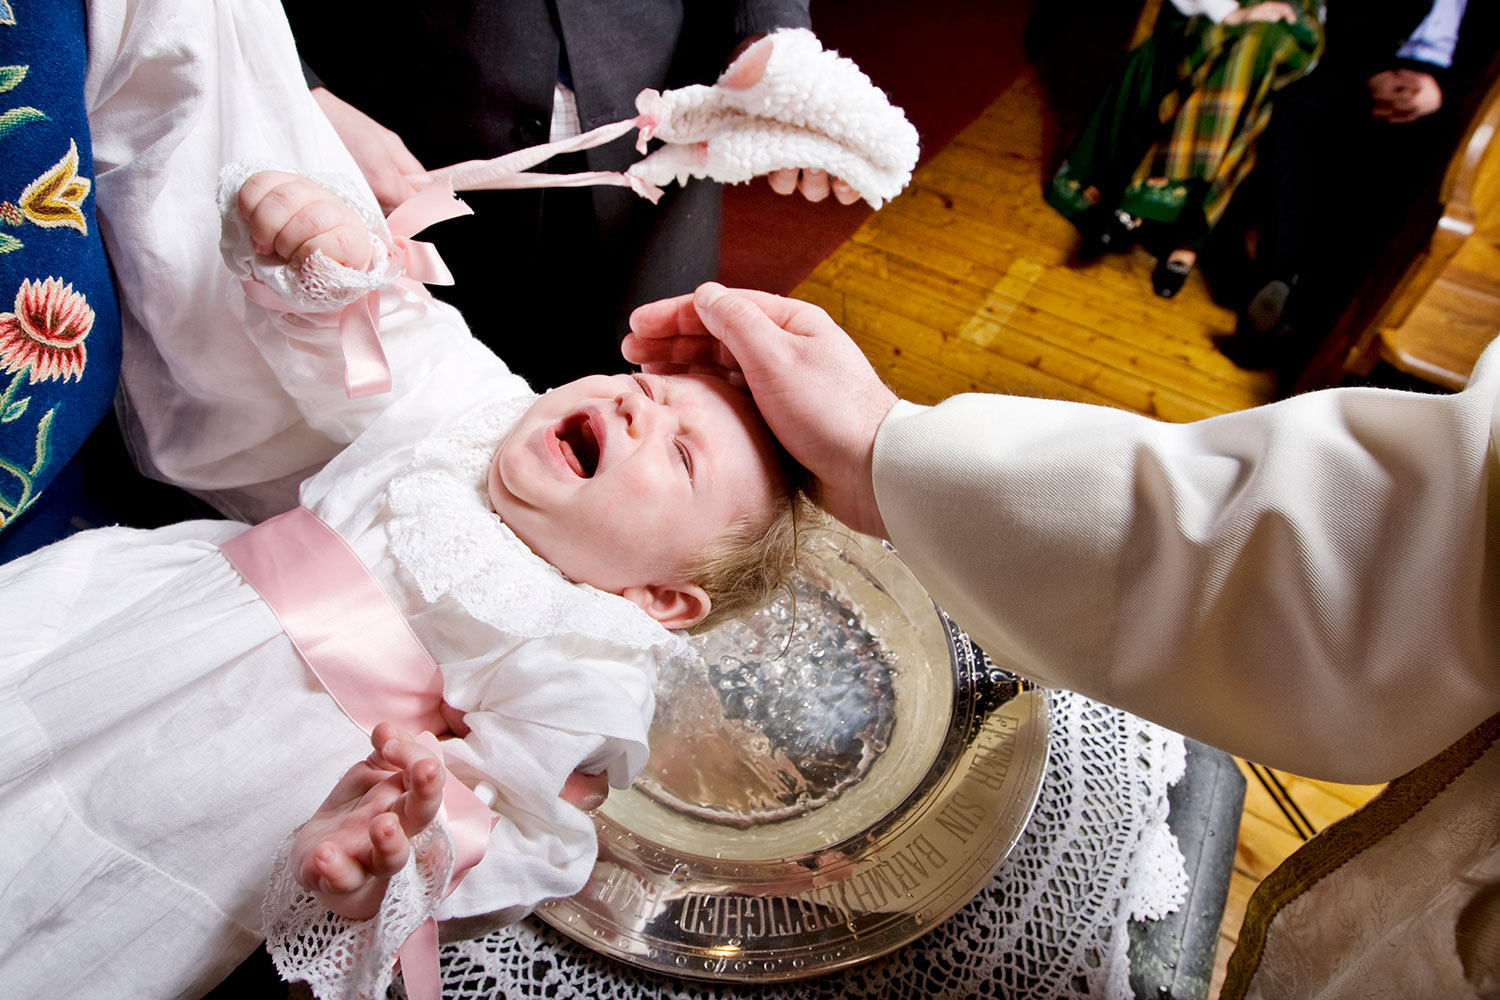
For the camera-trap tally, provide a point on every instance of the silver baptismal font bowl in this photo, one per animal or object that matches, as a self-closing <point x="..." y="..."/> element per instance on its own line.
<point x="833" y="776"/>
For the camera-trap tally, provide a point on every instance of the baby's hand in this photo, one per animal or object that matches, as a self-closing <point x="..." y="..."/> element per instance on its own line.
<point x="361" y="835"/>
<point x="290" y="217"/>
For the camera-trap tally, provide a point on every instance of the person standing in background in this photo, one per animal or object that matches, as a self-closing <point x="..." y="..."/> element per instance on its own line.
<point x="1174" y="134"/>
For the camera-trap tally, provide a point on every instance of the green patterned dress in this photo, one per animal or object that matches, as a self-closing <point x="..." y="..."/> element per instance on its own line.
<point x="1174" y="135"/>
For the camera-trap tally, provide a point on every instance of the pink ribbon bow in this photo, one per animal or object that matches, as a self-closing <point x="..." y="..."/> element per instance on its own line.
<point x="366" y="370"/>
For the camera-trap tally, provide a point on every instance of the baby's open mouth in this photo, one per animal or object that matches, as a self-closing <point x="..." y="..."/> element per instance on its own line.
<point x="579" y="444"/>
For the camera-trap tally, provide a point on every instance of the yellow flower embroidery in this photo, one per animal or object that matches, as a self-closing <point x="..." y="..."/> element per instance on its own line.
<point x="56" y="197"/>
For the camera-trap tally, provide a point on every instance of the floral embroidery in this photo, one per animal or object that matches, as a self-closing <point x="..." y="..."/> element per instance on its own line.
<point x="26" y="479"/>
<point x="10" y="78"/>
<point x="42" y="340"/>
<point x="44" y="336"/>
<point x="56" y="197"/>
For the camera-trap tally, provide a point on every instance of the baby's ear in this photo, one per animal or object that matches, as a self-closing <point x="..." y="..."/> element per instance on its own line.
<point x="676" y="606"/>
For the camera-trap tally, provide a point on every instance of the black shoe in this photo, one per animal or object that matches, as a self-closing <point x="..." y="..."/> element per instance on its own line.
<point x="1169" y="276"/>
<point x="1106" y="232"/>
<point x="1264" y="331"/>
<point x="1266" y="309"/>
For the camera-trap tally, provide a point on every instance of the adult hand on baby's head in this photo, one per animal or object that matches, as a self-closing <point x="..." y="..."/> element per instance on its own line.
<point x="290" y="217"/>
<point x="812" y="384"/>
<point x="745" y="71"/>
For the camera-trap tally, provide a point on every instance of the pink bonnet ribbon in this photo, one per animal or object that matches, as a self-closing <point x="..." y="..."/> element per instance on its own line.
<point x="357" y="643"/>
<point x="509" y="171"/>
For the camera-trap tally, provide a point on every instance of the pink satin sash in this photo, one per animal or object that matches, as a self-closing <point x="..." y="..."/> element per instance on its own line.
<point x="361" y="648"/>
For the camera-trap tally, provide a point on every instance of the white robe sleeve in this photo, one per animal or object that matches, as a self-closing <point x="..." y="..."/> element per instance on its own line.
<point x="549" y="707"/>
<point x="176" y="89"/>
<point x="1310" y="584"/>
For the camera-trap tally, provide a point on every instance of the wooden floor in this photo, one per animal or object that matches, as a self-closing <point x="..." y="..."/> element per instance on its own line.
<point x="963" y="283"/>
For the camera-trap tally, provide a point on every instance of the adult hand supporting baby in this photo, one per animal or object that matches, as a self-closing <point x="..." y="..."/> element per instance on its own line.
<point x="391" y="170"/>
<point x="585" y="791"/>
<point x="812" y="384"/>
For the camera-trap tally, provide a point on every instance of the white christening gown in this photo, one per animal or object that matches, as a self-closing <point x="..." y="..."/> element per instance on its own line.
<point x="160" y="737"/>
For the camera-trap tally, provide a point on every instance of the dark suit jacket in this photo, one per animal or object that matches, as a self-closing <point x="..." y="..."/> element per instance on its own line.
<point x="467" y="79"/>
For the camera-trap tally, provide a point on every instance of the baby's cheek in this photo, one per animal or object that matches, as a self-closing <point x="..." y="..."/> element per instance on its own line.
<point x="644" y="490"/>
<point x="636" y="513"/>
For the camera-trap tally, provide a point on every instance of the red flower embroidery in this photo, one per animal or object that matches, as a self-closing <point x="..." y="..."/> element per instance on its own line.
<point x="44" y="336"/>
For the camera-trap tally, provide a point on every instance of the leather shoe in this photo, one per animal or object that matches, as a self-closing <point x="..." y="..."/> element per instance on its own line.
<point x="1105" y="232"/>
<point x="1263" y="313"/>
<point x="1168" y="278"/>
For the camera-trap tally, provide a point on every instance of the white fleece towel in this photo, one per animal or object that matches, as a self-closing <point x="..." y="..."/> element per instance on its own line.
<point x="811" y="108"/>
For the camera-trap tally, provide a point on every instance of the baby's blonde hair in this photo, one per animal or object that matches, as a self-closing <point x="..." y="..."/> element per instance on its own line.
<point x="743" y="568"/>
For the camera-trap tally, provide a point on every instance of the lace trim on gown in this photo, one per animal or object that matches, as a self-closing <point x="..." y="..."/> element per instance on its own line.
<point x="342" y="959"/>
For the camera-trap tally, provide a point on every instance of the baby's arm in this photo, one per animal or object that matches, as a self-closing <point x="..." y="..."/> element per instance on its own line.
<point x="313" y="259"/>
<point x="361" y="835"/>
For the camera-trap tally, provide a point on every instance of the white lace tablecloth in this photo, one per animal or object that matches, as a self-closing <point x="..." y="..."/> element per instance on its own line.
<point x="1051" y="924"/>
